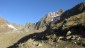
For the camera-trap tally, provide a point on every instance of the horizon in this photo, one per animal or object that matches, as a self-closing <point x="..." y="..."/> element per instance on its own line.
<point x="23" y="11"/>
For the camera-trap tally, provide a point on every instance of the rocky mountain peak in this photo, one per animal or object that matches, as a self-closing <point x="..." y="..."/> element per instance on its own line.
<point x="52" y="16"/>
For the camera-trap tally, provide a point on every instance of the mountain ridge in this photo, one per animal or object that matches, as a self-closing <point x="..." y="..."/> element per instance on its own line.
<point x="5" y="26"/>
<point x="67" y="31"/>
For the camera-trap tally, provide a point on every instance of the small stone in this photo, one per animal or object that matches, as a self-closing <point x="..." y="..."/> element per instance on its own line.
<point x="78" y="38"/>
<point x="73" y="37"/>
<point x="75" y="42"/>
<point x="68" y="37"/>
<point x="40" y="44"/>
<point x="59" y="39"/>
<point x="35" y="43"/>
<point x="68" y="33"/>
<point x="30" y="40"/>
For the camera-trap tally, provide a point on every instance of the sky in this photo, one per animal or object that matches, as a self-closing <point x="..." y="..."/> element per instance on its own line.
<point x="22" y="11"/>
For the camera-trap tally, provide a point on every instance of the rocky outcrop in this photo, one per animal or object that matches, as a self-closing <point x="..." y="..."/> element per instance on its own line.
<point x="52" y="16"/>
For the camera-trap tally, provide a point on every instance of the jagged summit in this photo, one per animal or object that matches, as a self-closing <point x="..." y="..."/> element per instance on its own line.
<point x="52" y="16"/>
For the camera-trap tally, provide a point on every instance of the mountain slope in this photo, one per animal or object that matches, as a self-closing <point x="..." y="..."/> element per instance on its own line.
<point x="58" y="35"/>
<point x="68" y="32"/>
<point x="74" y="11"/>
<point x="5" y="26"/>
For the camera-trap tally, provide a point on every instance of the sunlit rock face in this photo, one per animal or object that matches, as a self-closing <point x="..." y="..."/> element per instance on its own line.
<point x="52" y="16"/>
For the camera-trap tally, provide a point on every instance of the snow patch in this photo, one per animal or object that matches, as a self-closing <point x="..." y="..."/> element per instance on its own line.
<point x="55" y="17"/>
<point x="11" y="26"/>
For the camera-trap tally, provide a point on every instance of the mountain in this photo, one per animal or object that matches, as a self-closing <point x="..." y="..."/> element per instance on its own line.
<point x="67" y="32"/>
<point x="71" y="20"/>
<point x="62" y="29"/>
<point x="5" y="26"/>
<point x="52" y="16"/>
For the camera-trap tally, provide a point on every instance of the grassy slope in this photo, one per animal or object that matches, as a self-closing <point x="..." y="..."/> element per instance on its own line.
<point x="8" y="39"/>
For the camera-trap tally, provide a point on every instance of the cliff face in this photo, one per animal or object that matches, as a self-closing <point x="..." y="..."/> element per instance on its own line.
<point x="52" y="16"/>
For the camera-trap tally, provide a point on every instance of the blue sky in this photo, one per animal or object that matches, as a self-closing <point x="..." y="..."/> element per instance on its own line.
<point x="22" y="11"/>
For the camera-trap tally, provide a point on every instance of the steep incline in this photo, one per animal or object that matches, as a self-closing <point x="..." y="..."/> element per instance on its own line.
<point x="68" y="32"/>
